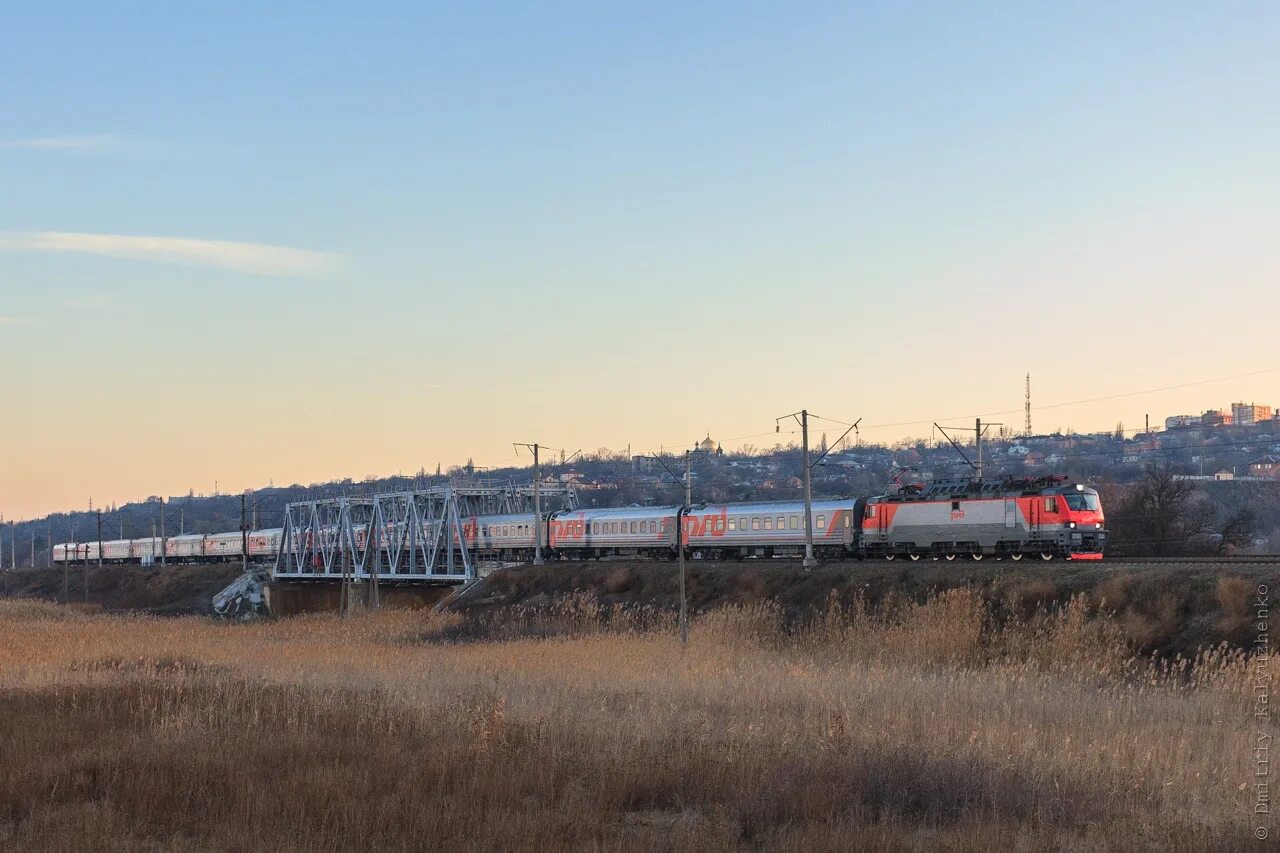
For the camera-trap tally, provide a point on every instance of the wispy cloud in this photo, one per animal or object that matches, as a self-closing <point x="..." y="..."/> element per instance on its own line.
<point x="91" y="142"/>
<point x="7" y="320"/>
<point x="256" y="258"/>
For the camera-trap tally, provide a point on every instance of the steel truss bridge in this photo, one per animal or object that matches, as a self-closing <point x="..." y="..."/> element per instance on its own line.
<point x="420" y="535"/>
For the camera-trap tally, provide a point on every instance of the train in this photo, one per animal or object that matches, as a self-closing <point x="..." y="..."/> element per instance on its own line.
<point x="184" y="548"/>
<point x="1043" y="518"/>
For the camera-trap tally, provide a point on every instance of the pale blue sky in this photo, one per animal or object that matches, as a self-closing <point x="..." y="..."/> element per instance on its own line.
<point x="732" y="210"/>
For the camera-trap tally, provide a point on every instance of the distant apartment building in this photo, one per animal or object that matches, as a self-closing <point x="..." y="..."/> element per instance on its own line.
<point x="1251" y="413"/>
<point x="1137" y="452"/>
<point x="1213" y="418"/>
<point x="1181" y="422"/>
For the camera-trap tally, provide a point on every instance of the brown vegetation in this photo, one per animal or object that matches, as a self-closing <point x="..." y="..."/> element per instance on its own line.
<point x="1164" y="609"/>
<point x="170" y="590"/>
<point x="899" y="725"/>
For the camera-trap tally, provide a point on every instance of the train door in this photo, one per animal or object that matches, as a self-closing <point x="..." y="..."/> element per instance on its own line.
<point x="1010" y="513"/>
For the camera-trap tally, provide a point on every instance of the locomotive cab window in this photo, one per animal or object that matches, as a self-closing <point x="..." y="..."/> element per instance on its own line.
<point x="1050" y="504"/>
<point x="1082" y="502"/>
<point x="871" y="511"/>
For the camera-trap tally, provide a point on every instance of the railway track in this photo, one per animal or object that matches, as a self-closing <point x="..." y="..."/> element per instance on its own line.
<point x="1235" y="559"/>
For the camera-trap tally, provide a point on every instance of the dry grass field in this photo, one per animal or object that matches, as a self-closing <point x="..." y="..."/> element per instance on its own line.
<point x="912" y="726"/>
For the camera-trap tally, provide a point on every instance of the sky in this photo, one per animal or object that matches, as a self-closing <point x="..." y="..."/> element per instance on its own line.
<point x="245" y="245"/>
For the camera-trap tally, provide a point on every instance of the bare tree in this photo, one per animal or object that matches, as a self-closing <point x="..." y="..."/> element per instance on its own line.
<point x="1238" y="530"/>
<point x="1157" y="519"/>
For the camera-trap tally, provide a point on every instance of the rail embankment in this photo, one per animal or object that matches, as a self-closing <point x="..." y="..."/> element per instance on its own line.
<point x="1163" y="608"/>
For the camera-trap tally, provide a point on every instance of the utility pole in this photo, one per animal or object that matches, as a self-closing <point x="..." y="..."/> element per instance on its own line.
<point x="688" y="502"/>
<point x="244" y="533"/>
<point x="50" y="532"/>
<point x="344" y="598"/>
<point x="977" y="430"/>
<point x="373" y="600"/>
<point x="33" y="546"/>
<point x="537" y="503"/>
<point x="809" y="560"/>
<point x="86" y="568"/>
<point x="802" y="417"/>
<point x="66" y="567"/>
<point x="163" y="560"/>
<point x="182" y="520"/>
<point x="680" y="536"/>
<point x="13" y="546"/>
<point x="687" y="480"/>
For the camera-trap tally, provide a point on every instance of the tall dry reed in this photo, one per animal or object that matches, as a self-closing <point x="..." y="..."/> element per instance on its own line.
<point x="570" y="726"/>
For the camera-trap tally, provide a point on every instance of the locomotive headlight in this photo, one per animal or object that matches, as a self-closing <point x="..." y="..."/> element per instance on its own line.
<point x="1099" y="525"/>
<point x="1072" y="525"/>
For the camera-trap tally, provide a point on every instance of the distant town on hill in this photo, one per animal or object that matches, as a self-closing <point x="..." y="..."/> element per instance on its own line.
<point x="1207" y="482"/>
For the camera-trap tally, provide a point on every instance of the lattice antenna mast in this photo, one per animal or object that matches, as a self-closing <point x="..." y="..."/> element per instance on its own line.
<point x="1027" y="426"/>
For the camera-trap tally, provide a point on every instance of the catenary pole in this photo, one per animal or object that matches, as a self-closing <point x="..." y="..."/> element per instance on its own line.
<point x="802" y="417"/>
<point x="537" y="500"/>
<point x="977" y="431"/>
<point x="687" y="481"/>
<point x="809" y="560"/>
<point x="373" y="552"/>
<point x="66" y="567"/>
<point x="537" y="509"/>
<point x="688" y="502"/>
